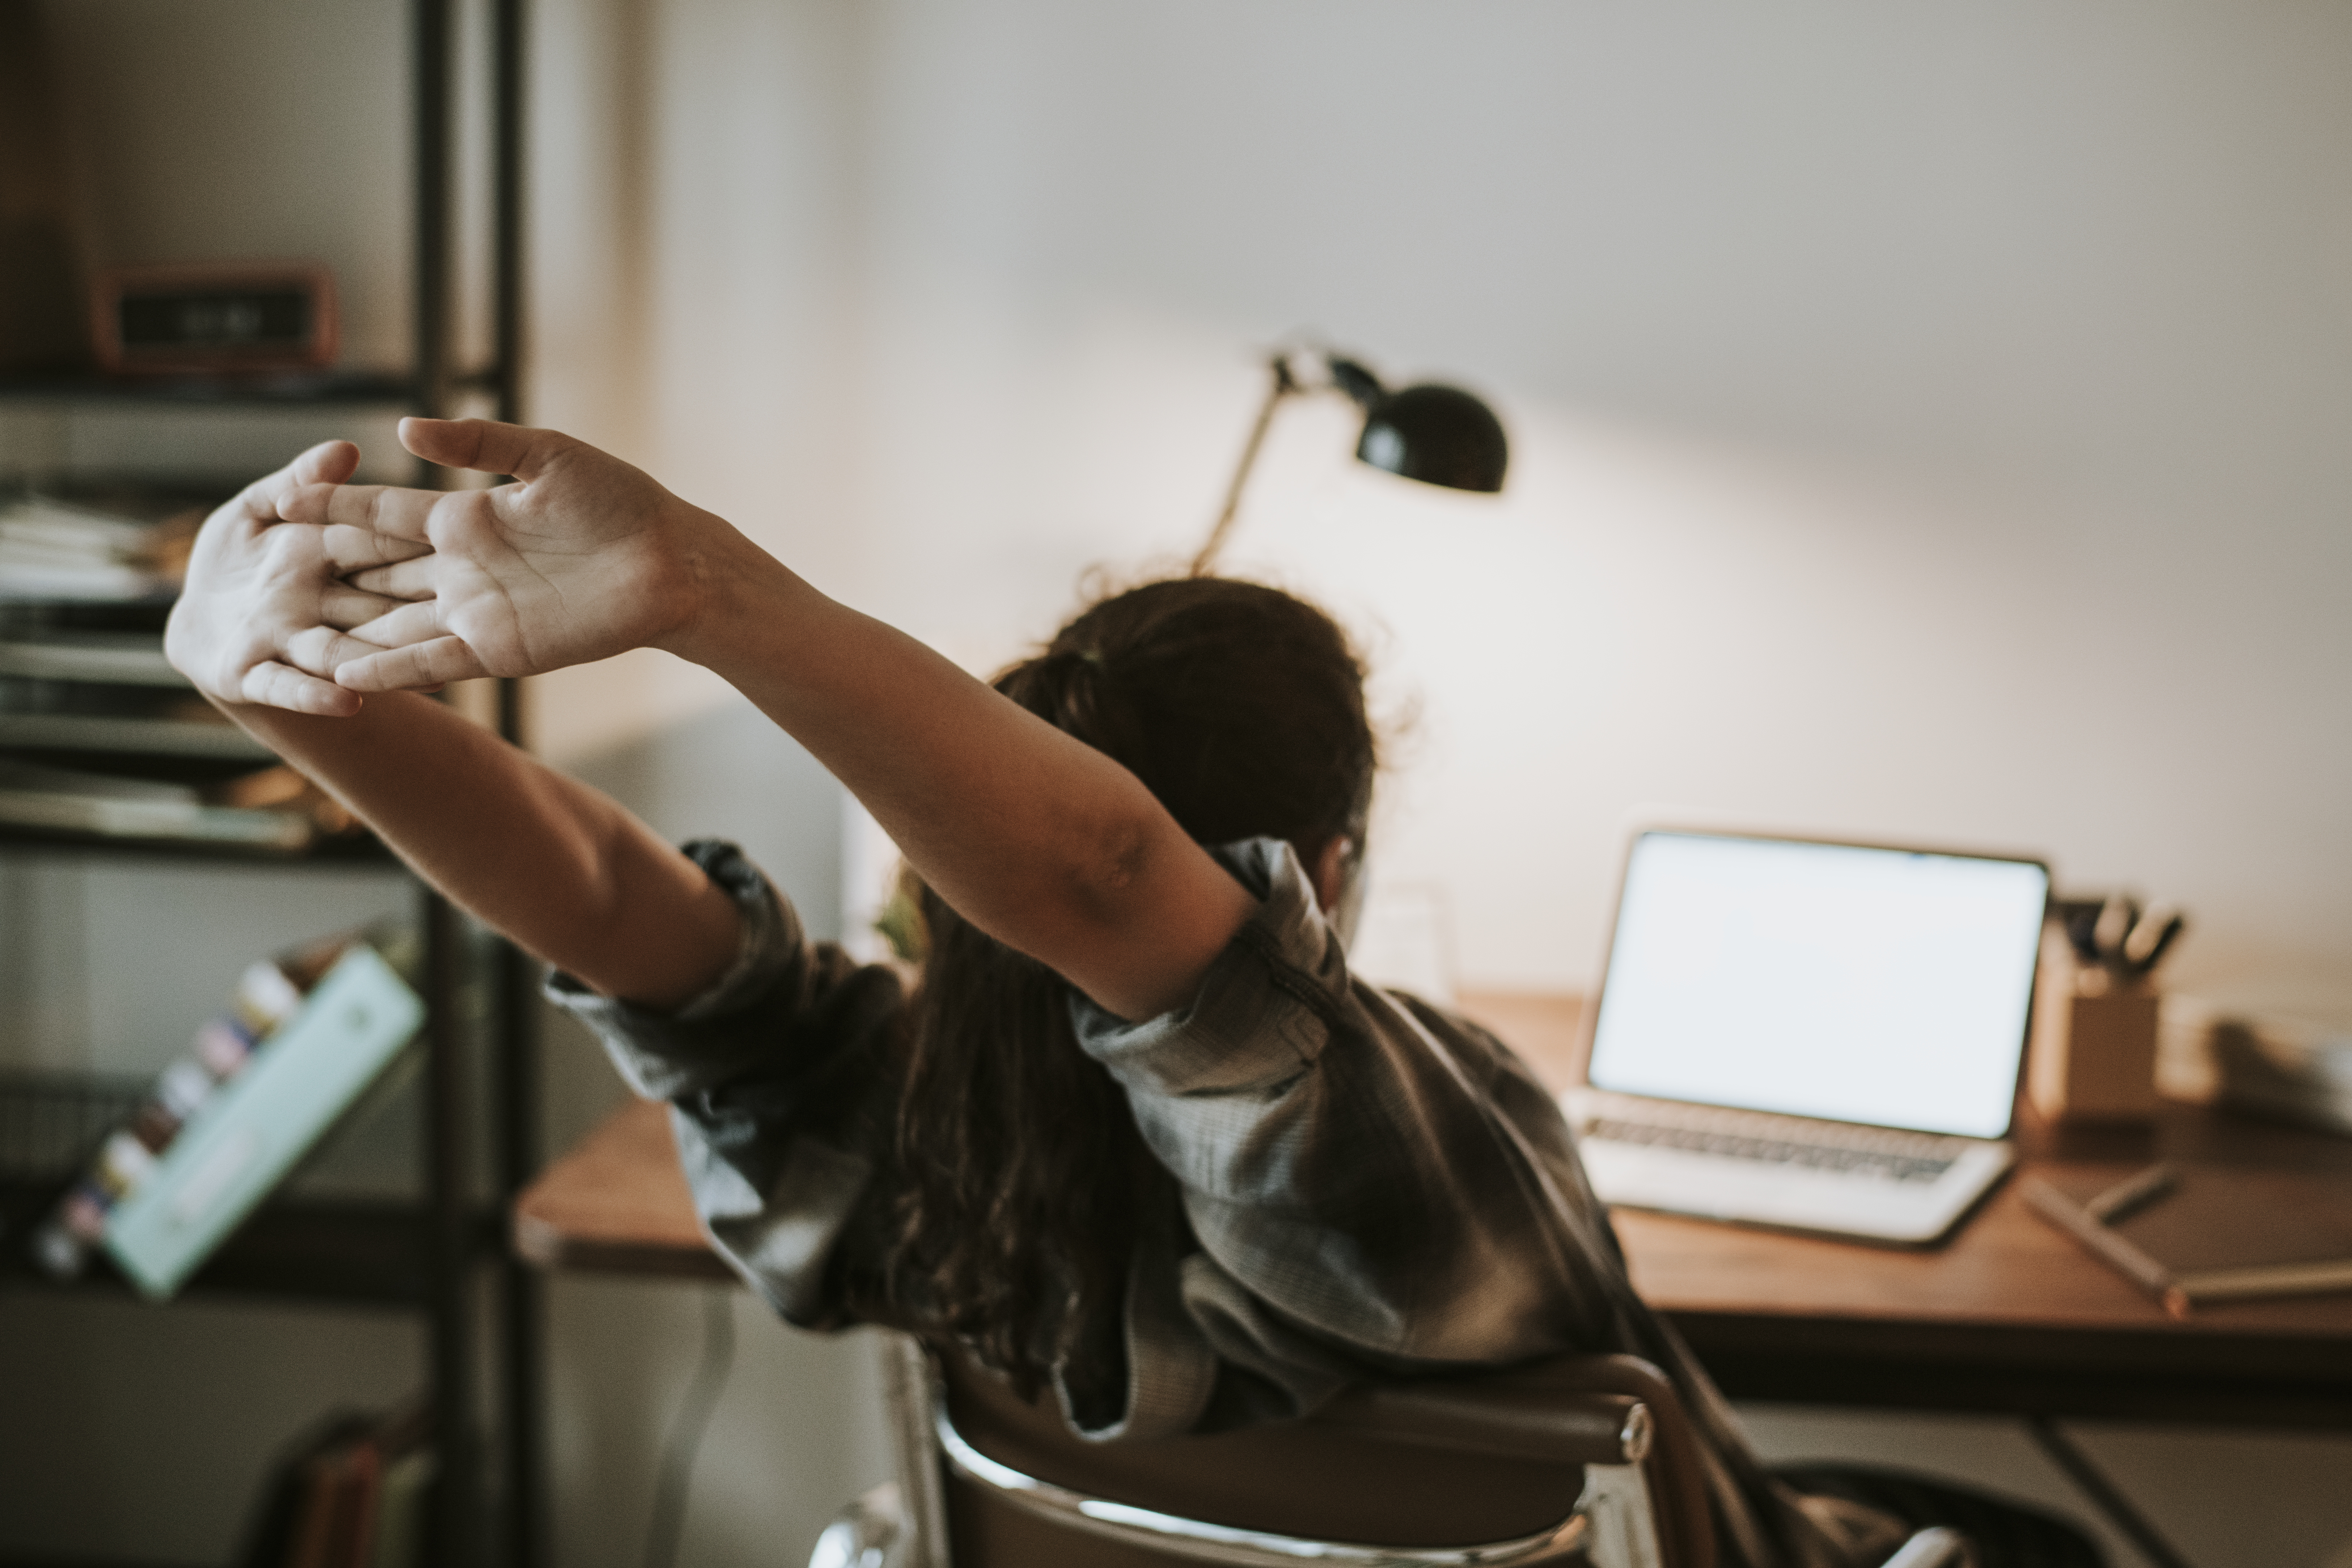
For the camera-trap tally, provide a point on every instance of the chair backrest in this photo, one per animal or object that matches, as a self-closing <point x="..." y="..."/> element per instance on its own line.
<point x="1581" y="1459"/>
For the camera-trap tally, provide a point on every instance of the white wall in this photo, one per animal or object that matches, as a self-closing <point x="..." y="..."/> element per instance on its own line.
<point x="1926" y="422"/>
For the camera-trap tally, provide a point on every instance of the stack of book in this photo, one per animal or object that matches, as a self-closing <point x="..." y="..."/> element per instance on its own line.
<point x="68" y="551"/>
<point x="269" y="808"/>
<point x="99" y="734"/>
<point x="351" y="1494"/>
<point x="2286" y="1059"/>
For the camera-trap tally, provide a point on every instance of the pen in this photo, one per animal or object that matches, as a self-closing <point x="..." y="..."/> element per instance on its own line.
<point x="2268" y="1279"/>
<point x="2143" y="949"/>
<point x="2079" y="1223"/>
<point x="2179" y="1293"/>
<point x="2114" y="926"/>
<point x="2115" y="934"/>
<point x="2129" y="1196"/>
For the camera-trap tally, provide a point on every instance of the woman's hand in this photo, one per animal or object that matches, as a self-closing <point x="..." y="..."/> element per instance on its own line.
<point x="264" y="614"/>
<point x="581" y="557"/>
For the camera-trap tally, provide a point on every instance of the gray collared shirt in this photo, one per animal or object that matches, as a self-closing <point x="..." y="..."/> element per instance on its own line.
<point x="1369" y="1186"/>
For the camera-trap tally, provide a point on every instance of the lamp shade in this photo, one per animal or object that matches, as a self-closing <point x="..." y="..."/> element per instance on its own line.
<point x="1436" y="434"/>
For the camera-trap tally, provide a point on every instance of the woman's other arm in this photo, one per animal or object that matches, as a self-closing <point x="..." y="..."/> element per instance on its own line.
<point x="561" y="869"/>
<point x="1033" y="836"/>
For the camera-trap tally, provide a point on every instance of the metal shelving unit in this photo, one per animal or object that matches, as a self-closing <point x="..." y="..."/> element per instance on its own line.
<point x="257" y="392"/>
<point x="445" y="1255"/>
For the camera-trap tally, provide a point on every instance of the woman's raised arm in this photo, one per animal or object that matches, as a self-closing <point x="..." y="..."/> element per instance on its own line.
<point x="1041" y="841"/>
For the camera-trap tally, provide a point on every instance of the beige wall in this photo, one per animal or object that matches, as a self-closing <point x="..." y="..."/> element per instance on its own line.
<point x="1926" y="423"/>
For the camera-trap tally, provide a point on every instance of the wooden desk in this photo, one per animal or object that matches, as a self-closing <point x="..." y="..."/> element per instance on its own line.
<point x="2009" y="1316"/>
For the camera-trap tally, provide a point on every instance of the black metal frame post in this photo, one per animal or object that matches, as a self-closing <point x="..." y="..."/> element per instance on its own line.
<point x="430" y="143"/>
<point x="450" y="1241"/>
<point x="528" y="1539"/>
<point x="456" y="1529"/>
<point x="461" y="1533"/>
<point x="507" y="42"/>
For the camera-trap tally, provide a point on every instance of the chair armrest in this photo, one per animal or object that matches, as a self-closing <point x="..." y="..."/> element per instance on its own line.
<point x="1577" y="1428"/>
<point x="1579" y="1408"/>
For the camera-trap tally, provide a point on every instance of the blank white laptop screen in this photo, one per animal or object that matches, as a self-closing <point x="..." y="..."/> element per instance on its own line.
<point x="1883" y="986"/>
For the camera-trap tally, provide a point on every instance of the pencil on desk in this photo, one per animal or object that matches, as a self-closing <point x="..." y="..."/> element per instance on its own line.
<point x="2084" y="1226"/>
<point x="2182" y="1293"/>
<point x="2266" y="1279"/>
<point x="2130" y="1197"/>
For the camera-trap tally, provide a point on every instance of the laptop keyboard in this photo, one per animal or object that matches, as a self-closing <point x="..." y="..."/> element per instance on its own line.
<point x="1889" y="1156"/>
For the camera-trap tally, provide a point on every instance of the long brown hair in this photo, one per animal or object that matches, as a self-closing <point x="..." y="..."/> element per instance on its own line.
<point x="1241" y="708"/>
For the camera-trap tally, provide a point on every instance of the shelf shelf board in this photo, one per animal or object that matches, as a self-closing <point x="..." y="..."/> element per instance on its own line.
<point x="120" y="735"/>
<point x="362" y="852"/>
<point x="211" y="391"/>
<point x="334" y="1253"/>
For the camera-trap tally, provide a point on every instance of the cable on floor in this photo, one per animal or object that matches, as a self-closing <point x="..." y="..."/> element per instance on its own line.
<point x="2105" y="1496"/>
<point x="666" y="1528"/>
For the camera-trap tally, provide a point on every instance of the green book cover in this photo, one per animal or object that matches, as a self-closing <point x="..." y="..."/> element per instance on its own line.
<point x="245" y="1138"/>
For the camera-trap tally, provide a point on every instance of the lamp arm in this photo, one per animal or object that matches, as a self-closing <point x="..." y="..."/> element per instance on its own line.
<point x="1282" y="385"/>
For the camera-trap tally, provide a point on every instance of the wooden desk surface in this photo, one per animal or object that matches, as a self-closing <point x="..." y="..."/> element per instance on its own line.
<point x="2008" y="1315"/>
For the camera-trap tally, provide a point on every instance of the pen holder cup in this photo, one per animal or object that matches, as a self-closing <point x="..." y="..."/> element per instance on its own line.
<point x="2093" y="1051"/>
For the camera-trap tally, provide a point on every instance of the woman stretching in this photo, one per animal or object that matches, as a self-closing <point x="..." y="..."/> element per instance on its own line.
<point x="1137" y="1136"/>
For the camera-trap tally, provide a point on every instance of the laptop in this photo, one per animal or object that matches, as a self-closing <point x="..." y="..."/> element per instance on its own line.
<point x="1810" y="1035"/>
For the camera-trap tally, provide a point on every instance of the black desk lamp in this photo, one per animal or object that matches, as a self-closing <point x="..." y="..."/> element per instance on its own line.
<point x="1436" y="434"/>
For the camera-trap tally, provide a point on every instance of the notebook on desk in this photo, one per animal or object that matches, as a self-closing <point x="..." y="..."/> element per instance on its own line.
<point x="1807" y="1035"/>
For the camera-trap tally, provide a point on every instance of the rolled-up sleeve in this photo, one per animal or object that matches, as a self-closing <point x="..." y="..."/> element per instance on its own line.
<point x="1343" y="1156"/>
<point x="717" y="1035"/>
<point x="770" y="1074"/>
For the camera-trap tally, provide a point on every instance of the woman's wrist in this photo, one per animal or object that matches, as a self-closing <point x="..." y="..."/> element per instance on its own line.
<point x="744" y="606"/>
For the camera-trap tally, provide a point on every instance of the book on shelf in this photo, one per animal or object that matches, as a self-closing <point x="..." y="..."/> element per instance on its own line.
<point x="277" y="1516"/>
<point x="406" y="1491"/>
<point x="104" y="658"/>
<point x="240" y="1143"/>
<point x="84" y="588"/>
<point x="192" y="730"/>
<point x="52" y="548"/>
<point x="63" y="800"/>
<point x="350" y="1493"/>
<point x="338" y="1518"/>
<point x="303" y="1037"/>
<point x="100" y="736"/>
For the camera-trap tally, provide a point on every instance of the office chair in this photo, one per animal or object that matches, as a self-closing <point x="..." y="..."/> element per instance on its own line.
<point x="1581" y="1459"/>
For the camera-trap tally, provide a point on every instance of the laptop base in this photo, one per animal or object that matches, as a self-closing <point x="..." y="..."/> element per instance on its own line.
<point x="1823" y="1178"/>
